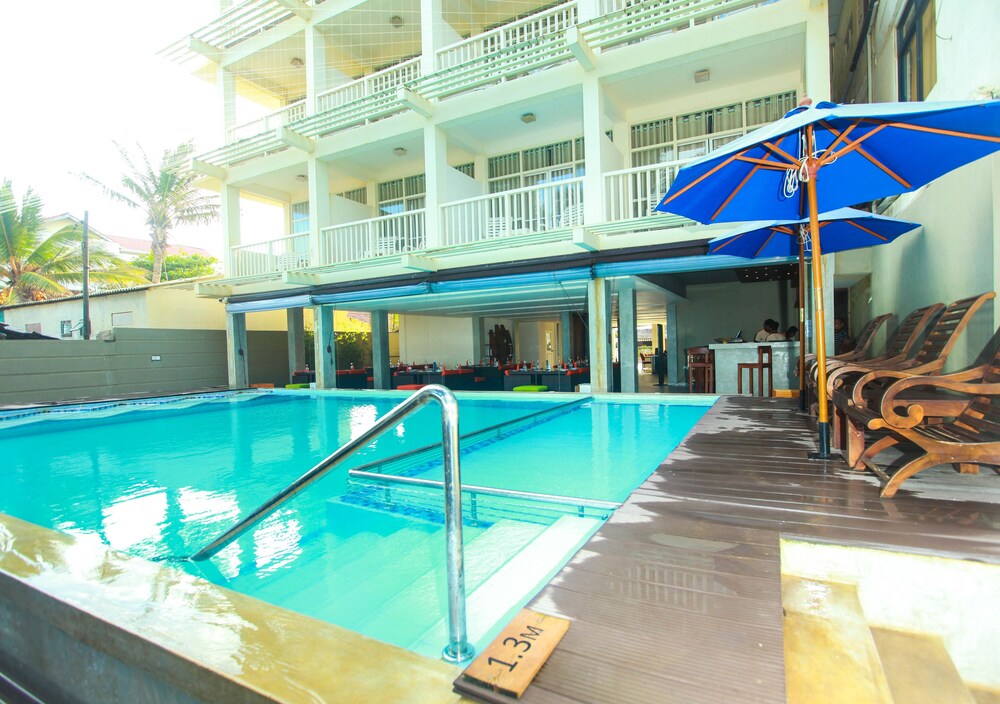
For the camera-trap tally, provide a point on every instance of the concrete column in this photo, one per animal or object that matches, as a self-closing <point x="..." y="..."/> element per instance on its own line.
<point x="566" y="334"/>
<point x="316" y="73"/>
<point x="587" y="10"/>
<point x="829" y="269"/>
<point x="628" y="340"/>
<point x="296" y="340"/>
<point x="817" y="58"/>
<point x="380" y="349"/>
<point x="435" y="33"/>
<point x="599" y="317"/>
<point x="478" y="339"/>
<point x="674" y="353"/>
<point x="236" y="350"/>
<point x="230" y="216"/>
<point x="593" y="140"/>
<point x="326" y="352"/>
<point x="226" y="83"/>
<point x="319" y="209"/>
<point x="436" y="173"/>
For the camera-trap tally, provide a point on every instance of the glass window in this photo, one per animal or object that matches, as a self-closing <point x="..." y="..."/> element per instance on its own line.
<point x="121" y="319"/>
<point x="916" y="41"/>
<point x="300" y="217"/>
<point x="65" y="328"/>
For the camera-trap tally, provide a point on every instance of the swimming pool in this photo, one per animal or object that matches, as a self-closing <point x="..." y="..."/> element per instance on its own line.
<point x="165" y="477"/>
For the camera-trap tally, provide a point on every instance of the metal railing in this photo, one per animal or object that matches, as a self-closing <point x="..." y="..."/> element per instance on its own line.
<point x="388" y="79"/>
<point x="383" y="236"/>
<point x="271" y="256"/>
<point x="550" y="206"/>
<point x="458" y="649"/>
<point x="285" y="116"/>
<point x="633" y="193"/>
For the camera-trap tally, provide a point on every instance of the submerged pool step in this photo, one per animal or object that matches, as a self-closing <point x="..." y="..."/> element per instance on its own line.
<point x="495" y="602"/>
<point x="413" y="608"/>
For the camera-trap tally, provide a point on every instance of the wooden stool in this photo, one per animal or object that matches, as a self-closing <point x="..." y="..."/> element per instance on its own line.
<point x="701" y="362"/>
<point x="763" y="362"/>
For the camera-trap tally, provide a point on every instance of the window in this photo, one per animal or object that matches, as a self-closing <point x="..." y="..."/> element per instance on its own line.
<point x="916" y="41"/>
<point x="401" y="195"/>
<point x="121" y="319"/>
<point x="33" y="327"/>
<point x="530" y="167"/>
<point x="300" y="218"/>
<point x="65" y="328"/>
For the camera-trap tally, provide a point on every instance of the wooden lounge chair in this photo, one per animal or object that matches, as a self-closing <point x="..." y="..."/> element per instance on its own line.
<point x="865" y="340"/>
<point x="859" y="389"/>
<point x="970" y="441"/>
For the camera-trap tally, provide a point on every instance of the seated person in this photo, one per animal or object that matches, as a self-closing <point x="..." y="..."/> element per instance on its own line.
<point x="792" y="333"/>
<point x="770" y="328"/>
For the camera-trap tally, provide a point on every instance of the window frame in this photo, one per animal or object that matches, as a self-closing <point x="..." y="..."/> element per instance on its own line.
<point x="910" y="38"/>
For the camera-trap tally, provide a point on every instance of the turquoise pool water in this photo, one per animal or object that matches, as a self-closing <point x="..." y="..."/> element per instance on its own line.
<point x="164" y="479"/>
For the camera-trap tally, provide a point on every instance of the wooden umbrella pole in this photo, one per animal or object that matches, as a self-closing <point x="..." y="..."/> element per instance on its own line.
<point x="817" y="271"/>
<point x="802" y="325"/>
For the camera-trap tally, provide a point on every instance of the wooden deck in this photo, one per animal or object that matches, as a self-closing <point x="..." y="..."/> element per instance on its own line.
<point x="678" y="597"/>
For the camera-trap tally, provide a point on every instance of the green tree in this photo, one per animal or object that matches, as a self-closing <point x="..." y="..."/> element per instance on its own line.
<point x="35" y="266"/>
<point x="166" y="194"/>
<point x="178" y="266"/>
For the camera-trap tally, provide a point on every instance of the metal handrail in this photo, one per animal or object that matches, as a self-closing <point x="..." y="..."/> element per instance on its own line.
<point x="576" y="501"/>
<point x="458" y="648"/>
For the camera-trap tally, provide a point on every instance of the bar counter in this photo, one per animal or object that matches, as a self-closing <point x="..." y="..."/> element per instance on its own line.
<point x="784" y="364"/>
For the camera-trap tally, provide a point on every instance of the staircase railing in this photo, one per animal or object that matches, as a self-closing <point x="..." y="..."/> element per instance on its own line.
<point x="458" y="648"/>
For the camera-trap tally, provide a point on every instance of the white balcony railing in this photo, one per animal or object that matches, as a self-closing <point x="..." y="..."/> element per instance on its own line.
<point x="385" y="80"/>
<point x="550" y="206"/>
<point x="557" y="19"/>
<point x="378" y="237"/>
<point x="633" y="193"/>
<point x="270" y="257"/>
<point x="285" y="116"/>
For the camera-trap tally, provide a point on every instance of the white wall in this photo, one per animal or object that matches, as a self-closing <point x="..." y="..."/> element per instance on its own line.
<point x="428" y="339"/>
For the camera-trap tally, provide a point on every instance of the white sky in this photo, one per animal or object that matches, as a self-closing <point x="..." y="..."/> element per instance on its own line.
<point x="79" y="74"/>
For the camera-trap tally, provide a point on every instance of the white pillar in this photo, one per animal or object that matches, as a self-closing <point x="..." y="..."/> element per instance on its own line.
<point x="326" y="351"/>
<point x="319" y="210"/>
<point x="672" y="349"/>
<point x="478" y="339"/>
<point x="230" y="216"/>
<point x="296" y="340"/>
<point x="599" y="316"/>
<point x="316" y="73"/>
<point x="435" y="33"/>
<point x="628" y="341"/>
<point x="226" y="83"/>
<point x="566" y="330"/>
<point x="829" y="269"/>
<point x="380" y="349"/>
<point x="236" y="350"/>
<point x="817" y="58"/>
<point x="435" y="175"/>
<point x="593" y="139"/>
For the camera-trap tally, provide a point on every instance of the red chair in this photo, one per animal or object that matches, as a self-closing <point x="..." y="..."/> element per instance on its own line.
<point x="701" y="367"/>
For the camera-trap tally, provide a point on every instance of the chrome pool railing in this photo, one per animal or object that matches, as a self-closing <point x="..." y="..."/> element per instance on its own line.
<point x="458" y="649"/>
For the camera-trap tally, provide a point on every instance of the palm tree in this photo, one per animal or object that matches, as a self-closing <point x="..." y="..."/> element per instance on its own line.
<point x="167" y="195"/>
<point x="35" y="266"/>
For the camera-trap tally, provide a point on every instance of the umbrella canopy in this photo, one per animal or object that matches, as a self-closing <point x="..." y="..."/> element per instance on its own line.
<point x="864" y="152"/>
<point x="839" y="230"/>
<point x="844" y="154"/>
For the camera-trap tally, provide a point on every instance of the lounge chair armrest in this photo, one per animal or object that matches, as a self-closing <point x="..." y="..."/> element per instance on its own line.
<point x="906" y="415"/>
<point x="876" y="375"/>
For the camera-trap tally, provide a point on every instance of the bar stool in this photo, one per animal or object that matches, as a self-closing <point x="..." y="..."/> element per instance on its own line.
<point x="763" y="362"/>
<point x="701" y="363"/>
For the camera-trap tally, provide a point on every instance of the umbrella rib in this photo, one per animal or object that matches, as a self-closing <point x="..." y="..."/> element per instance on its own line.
<point x="722" y="245"/>
<point x="937" y="130"/>
<point x="763" y="163"/>
<point x="735" y="191"/>
<point x="761" y="248"/>
<point x="705" y="175"/>
<point x="855" y="145"/>
<point x="869" y="231"/>
<point x="840" y="137"/>
<point x="793" y="163"/>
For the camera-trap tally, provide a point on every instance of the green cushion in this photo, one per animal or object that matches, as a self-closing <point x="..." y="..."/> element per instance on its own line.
<point x="531" y="388"/>
<point x="296" y="386"/>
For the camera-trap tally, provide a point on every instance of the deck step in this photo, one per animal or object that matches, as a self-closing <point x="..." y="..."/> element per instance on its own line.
<point x="828" y="645"/>
<point x="918" y="668"/>
<point x="411" y="610"/>
<point x="490" y="607"/>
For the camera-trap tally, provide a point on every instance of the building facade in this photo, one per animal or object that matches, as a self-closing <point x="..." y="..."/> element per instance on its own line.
<point x="467" y="168"/>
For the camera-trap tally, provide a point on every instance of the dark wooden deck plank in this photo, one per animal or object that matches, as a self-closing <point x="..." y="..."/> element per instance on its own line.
<point x="678" y="597"/>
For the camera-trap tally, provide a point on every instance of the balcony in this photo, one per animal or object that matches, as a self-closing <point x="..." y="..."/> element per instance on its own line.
<point x="514" y="50"/>
<point x="271" y="257"/>
<point x="549" y="207"/>
<point x="385" y="236"/>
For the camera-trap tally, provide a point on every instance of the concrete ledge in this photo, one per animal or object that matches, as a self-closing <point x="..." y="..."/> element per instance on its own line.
<point x="82" y="623"/>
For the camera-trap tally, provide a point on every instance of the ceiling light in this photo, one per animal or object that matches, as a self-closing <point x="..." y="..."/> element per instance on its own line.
<point x="301" y="177"/>
<point x="702" y="76"/>
<point x="399" y="151"/>
<point x="297" y="62"/>
<point x="528" y="117"/>
<point x="396" y="21"/>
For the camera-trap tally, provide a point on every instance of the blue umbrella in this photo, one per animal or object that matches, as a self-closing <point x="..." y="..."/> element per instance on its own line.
<point x="862" y="152"/>
<point x="839" y="230"/>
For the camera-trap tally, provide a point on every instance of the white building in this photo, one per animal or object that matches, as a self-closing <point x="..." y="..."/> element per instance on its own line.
<point x="467" y="168"/>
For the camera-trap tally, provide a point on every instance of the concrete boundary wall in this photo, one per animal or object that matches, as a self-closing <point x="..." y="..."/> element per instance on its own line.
<point x="33" y="371"/>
